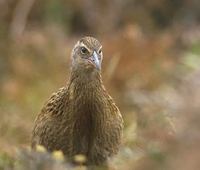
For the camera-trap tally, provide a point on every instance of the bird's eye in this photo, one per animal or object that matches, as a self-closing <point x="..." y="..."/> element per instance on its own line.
<point x="84" y="50"/>
<point x="100" y="51"/>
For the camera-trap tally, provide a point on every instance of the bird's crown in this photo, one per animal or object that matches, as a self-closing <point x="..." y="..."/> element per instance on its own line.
<point x="88" y="42"/>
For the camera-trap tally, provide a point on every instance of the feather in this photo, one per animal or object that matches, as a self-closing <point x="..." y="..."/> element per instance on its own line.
<point x="80" y="118"/>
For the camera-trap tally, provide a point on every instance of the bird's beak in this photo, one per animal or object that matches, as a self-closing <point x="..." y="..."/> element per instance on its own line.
<point x="96" y="60"/>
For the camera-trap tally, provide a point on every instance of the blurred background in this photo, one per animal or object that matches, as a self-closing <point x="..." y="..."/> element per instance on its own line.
<point x="151" y="68"/>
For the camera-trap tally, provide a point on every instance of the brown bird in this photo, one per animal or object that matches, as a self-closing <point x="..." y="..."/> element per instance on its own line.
<point x="81" y="118"/>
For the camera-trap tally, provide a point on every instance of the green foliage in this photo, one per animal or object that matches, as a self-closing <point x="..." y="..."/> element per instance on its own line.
<point x="6" y="162"/>
<point x="56" y="12"/>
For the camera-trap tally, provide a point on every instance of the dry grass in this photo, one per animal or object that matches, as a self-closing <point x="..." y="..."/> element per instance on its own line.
<point x="149" y="77"/>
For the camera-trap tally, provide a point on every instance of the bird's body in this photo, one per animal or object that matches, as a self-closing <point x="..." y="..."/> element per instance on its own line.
<point x="80" y="118"/>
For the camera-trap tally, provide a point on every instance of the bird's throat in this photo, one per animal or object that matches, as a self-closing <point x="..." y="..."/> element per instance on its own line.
<point x="84" y="80"/>
<point x="86" y="91"/>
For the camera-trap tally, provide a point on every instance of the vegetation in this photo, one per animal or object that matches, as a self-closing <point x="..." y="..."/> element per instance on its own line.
<point x="151" y="68"/>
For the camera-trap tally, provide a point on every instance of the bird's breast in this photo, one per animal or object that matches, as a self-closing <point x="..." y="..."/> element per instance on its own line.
<point x="86" y="107"/>
<point x="83" y="133"/>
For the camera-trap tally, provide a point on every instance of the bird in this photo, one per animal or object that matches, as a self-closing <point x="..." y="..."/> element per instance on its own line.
<point x="81" y="117"/>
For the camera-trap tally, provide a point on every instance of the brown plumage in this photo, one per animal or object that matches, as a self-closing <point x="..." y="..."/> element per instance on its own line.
<point x="81" y="118"/>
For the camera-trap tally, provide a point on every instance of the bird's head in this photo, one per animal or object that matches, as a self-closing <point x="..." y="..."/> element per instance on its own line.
<point x="87" y="54"/>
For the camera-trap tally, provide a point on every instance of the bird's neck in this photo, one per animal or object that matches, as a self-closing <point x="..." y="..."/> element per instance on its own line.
<point x="86" y="91"/>
<point x="86" y="87"/>
<point x="85" y="80"/>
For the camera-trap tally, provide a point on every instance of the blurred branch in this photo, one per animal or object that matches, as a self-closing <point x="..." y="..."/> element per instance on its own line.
<point x="112" y="66"/>
<point x="19" y="19"/>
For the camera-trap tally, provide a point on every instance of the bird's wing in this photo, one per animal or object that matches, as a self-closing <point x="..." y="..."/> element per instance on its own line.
<point x="52" y="108"/>
<point x="55" y="103"/>
<point x="116" y="118"/>
<point x="113" y="126"/>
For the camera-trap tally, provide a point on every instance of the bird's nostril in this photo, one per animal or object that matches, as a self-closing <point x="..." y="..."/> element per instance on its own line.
<point x="92" y="59"/>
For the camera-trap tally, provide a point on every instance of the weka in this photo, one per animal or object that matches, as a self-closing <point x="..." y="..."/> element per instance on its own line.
<point x="81" y="118"/>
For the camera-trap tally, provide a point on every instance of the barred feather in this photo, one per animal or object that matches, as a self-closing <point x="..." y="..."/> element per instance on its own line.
<point x="80" y="118"/>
